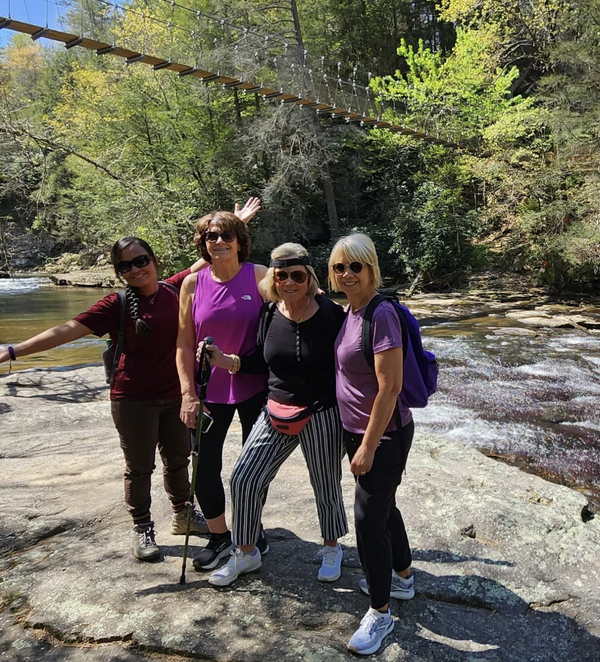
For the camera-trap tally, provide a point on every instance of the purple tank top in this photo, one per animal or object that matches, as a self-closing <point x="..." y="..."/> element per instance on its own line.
<point x="229" y="312"/>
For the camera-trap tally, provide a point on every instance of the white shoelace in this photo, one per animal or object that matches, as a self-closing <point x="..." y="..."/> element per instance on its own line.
<point x="329" y="555"/>
<point x="235" y="554"/>
<point x="371" y="622"/>
<point x="147" y="538"/>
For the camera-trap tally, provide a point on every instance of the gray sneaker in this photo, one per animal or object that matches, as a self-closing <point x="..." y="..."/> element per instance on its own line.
<point x="144" y="545"/>
<point x="401" y="589"/>
<point x="198" y="525"/>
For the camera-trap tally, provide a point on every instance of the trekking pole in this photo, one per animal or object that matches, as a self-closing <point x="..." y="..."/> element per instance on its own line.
<point x="202" y="377"/>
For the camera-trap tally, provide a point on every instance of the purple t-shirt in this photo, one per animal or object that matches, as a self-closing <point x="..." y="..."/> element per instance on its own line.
<point x="356" y="382"/>
<point x="229" y="312"/>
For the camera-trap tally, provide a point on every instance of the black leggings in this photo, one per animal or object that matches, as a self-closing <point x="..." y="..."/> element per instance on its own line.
<point x="380" y="534"/>
<point x="209" y="485"/>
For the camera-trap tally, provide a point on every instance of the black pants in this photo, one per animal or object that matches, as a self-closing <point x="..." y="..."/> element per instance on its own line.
<point x="209" y="485"/>
<point x="380" y="532"/>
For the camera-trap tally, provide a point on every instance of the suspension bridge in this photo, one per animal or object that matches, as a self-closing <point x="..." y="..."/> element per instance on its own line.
<point x="272" y="65"/>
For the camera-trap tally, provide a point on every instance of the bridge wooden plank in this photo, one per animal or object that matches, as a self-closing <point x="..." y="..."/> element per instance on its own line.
<point x="228" y="81"/>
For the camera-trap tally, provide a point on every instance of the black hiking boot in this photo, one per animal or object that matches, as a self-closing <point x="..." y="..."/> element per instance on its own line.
<point x="217" y="548"/>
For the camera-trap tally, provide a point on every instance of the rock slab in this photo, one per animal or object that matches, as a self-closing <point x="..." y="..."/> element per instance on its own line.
<point x="506" y="567"/>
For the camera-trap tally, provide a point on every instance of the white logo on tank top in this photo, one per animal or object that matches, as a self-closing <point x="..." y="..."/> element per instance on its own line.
<point x="246" y="297"/>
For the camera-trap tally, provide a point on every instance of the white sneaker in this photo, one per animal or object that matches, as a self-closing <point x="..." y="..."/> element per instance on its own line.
<point x="373" y="628"/>
<point x="238" y="564"/>
<point x="331" y="565"/>
<point x="401" y="589"/>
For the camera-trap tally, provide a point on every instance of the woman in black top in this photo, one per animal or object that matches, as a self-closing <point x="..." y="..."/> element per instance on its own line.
<point x="296" y="336"/>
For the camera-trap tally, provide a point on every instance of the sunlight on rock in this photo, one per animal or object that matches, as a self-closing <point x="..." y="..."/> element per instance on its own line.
<point x="458" y="644"/>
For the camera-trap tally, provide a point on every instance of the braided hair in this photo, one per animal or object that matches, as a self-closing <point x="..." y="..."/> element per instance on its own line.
<point x="131" y="295"/>
<point x="133" y="303"/>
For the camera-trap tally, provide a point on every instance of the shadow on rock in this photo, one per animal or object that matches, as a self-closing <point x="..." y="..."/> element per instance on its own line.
<point x="463" y="618"/>
<point x="54" y="385"/>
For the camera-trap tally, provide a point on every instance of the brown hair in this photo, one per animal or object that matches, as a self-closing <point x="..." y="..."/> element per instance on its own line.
<point x="224" y="220"/>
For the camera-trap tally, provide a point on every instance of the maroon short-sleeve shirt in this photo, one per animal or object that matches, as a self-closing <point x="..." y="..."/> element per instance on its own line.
<point x="146" y="369"/>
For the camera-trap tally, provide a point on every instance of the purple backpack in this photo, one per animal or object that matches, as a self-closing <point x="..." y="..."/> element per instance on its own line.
<point x="420" y="366"/>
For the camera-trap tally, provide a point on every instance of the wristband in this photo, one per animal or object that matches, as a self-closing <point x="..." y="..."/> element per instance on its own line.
<point x="11" y="353"/>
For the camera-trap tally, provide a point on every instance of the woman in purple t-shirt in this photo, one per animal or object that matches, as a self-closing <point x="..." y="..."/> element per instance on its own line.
<point x="378" y="434"/>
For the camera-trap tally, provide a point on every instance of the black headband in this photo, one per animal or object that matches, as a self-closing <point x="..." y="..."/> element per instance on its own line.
<point x="291" y="262"/>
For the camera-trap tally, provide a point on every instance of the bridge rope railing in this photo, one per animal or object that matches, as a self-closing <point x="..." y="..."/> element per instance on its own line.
<point x="227" y="54"/>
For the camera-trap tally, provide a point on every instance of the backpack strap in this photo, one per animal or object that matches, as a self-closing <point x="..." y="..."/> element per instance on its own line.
<point x="120" y="338"/>
<point x="170" y="286"/>
<point x="366" y="337"/>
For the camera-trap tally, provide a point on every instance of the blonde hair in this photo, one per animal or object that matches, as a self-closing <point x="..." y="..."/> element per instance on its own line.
<point x="354" y="248"/>
<point x="288" y="251"/>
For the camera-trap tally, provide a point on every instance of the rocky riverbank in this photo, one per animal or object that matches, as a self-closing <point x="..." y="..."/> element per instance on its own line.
<point x="487" y="293"/>
<point x="506" y="567"/>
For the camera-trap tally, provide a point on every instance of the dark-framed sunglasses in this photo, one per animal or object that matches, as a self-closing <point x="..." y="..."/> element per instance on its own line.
<point x="227" y="236"/>
<point x="355" y="267"/>
<point x="297" y="276"/>
<point x="140" y="262"/>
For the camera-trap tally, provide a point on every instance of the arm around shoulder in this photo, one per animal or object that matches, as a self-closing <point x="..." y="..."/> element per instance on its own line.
<point x="260" y="271"/>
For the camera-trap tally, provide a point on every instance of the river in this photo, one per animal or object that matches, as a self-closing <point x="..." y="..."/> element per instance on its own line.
<point x="530" y="396"/>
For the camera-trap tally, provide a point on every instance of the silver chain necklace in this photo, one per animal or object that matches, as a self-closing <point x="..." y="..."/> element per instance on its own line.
<point x="152" y="299"/>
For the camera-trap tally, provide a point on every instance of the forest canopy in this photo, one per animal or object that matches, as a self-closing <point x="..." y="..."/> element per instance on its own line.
<point x="92" y="149"/>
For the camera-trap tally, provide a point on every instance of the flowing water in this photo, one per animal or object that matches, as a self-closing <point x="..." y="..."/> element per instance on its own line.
<point x="31" y="305"/>
<point x="531" y="398"/>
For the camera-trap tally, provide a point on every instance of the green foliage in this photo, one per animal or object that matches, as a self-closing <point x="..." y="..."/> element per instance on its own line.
<point x="91" y="150"/>
<point x="460" y="95"/>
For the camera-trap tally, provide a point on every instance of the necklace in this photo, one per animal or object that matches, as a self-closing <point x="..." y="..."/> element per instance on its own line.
<point x="152" y="298"/>
<point x="303" y="314"/>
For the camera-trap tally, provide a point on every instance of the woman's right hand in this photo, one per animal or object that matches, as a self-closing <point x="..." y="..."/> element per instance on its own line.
<point x="4" y="355"/>
<point x="190" y="405"/>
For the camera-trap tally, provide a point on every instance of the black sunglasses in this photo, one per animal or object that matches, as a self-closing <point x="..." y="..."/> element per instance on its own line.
<point x="213" y="237"/>
<point x="140" y="262"/>
<point x="355" y="267"/>
<point x="297" y="276"/>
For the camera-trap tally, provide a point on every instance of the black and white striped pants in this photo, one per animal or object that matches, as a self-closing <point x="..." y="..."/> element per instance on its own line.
<point x="266" y="450"/>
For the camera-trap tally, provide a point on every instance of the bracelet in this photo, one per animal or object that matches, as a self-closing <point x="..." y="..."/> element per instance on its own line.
<point x="11" y="353"/>
<point x="235" y="366"/>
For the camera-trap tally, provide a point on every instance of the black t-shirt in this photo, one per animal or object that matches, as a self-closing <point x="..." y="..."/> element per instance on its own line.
<point x="300" y="357"/>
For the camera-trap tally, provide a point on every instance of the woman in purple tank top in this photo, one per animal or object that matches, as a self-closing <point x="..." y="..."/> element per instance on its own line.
<point x="223" y="302"/>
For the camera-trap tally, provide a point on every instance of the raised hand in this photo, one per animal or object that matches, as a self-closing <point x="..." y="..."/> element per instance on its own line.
<point x="246" y="212"/>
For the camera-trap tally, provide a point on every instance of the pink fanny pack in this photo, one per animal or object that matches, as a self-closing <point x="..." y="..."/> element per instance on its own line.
<point x="288" y="419"/>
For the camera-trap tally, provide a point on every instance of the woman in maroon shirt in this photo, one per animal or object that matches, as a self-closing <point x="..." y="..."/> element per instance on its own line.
<point x="145" y="394"/>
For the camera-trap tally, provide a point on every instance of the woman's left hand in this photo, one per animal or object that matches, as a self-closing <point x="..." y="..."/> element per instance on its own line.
<point x="362" y="461"/>
<point x="246" y="212"/>
<point x="215" y="356"/>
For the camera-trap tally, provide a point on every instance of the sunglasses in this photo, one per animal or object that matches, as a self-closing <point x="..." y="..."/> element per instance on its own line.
<point x="297" y="276"/>
<point x="140" y="262"/>
<point x="227" y="236"/>
<point x="355" y="267"/>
